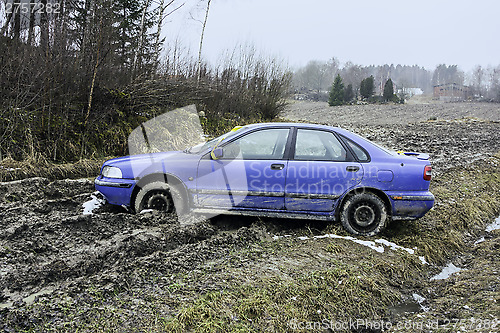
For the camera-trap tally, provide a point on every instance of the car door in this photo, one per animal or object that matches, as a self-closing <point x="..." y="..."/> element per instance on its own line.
<point x="320" y="171"/>
<point x="251" y="173"/>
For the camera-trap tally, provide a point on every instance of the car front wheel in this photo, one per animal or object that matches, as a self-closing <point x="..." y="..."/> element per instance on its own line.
<point x="156" y="196"/>
<point x="364" y="214"/>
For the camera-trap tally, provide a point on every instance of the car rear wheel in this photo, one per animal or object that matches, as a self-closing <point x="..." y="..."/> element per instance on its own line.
<point x="156" y="196"/>
<point x="364" y="214"/>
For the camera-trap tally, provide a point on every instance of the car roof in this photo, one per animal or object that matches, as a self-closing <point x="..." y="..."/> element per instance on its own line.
<point x="306" y="125"/>
<point x="371" y="147"/>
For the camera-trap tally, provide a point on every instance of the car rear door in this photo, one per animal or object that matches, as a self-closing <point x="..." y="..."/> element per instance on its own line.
<point x="320" y="170"/>
<point x="251" y="174"/>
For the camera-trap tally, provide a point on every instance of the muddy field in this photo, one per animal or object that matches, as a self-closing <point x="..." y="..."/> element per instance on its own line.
<point x="452" y="133"/>
<point x="114" y="271"/>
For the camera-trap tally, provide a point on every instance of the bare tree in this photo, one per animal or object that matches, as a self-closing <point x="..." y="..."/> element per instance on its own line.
<point x="162" y="8"/>
<point x="204" y="24"/>
<point x="477" y="79"/>
<point x="142" y="32"/>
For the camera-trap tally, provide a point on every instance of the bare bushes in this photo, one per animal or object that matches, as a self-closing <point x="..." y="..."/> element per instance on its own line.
<point x="45" y="109"/>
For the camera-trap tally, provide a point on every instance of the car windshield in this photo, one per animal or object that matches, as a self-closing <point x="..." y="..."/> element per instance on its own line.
<point x="212" y="143"/>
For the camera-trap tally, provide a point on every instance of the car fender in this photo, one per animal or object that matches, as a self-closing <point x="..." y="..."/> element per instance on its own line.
<point x="361" y="189"/>
<point x="163" y="177"/>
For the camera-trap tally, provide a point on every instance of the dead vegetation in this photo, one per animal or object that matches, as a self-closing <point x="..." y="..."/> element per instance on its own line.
<point x="11" y="169"/>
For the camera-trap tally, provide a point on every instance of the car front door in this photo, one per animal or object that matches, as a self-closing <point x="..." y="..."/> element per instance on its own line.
<point x="251" y="173"/>
<point x="320" y="171"/>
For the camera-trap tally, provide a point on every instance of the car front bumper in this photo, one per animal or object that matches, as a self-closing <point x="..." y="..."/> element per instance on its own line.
<point x="116" y="191"/>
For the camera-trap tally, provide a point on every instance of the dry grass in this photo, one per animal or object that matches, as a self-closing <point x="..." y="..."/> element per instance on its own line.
<point x="467" y="199"/>
<point x="41" y="167"/>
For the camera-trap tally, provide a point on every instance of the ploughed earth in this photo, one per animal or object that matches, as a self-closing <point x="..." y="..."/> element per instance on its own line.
<point x="69" y="263"/>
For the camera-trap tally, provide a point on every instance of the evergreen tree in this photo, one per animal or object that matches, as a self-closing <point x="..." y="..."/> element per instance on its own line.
<point x="336" y="92"/>
<point x="388" y="90"/>
<point x="348" y="93"/>
<point x="367" y="87"/>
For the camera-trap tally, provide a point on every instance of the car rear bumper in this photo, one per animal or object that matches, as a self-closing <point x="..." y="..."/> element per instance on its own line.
<point x="116" y="191"/>
<point x="410" y="205"/>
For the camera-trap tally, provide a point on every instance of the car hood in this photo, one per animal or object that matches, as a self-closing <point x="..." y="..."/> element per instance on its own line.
<point x="135" y="166"/>
<point x="141" y="157"/>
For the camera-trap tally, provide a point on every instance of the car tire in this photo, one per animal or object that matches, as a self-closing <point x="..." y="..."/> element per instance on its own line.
<point x="364" y="214"/>
<point x="157" y="196"/>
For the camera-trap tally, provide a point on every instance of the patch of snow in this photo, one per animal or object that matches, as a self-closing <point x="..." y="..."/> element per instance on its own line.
<point x="93" y="203"/>
<point x="9" y="169"/>
<point x="275" y="237"/>
<point x="369" y="244"/>
<point x="79" y="180"/>
<point x="420" y="299"/>
<point x="446" y="272"/>
<point x="494" y="226"/>
<point x="394" y="246"/>
<point x="480" y="240"/>
<point x="144" y="211"/>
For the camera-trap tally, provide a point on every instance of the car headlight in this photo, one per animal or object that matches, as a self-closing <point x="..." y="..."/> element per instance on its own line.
<point x="111" y="172"/>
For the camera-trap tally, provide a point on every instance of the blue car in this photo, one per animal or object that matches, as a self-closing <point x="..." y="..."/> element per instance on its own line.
<point x="287" y="170"/>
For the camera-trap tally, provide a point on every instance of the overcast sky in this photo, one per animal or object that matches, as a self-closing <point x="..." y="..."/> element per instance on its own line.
<point x="366" y="32"/>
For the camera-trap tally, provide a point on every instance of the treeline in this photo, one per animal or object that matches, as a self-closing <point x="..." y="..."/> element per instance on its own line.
<point x="315" y="80"/>
<point x="78" y="76"/>
<point x="340" y="94"/>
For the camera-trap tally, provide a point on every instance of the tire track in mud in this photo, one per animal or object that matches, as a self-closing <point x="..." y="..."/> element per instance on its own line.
<point x="46" y="242"/>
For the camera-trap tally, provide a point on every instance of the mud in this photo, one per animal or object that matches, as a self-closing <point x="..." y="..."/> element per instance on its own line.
<point x="58" y="267"/>
<point x="47" y="245"/>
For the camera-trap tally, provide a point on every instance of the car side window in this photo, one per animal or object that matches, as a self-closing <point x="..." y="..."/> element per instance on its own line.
<point x="358" y="151"/>
<point x="259" y="145"/>
<point x="314" y="145"/>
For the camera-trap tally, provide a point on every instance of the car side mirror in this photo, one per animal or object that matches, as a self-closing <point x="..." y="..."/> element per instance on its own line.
<point x="217" y="153"/>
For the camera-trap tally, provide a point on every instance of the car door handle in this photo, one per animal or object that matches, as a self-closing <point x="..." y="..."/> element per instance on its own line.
<point x="352" y="168"/>
<point x="277" y="166"/>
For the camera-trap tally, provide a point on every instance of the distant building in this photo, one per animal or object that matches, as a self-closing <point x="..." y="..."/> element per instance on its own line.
<point x="410" y="92"/>
<point x="451" y="92"/>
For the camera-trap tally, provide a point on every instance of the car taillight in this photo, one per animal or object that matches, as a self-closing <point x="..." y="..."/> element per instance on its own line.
<point x="427" y="172"/>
